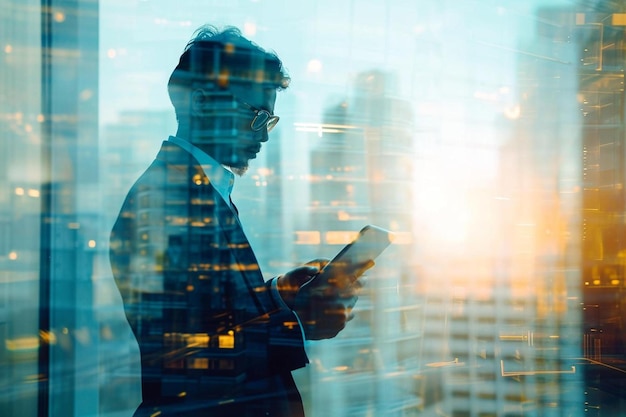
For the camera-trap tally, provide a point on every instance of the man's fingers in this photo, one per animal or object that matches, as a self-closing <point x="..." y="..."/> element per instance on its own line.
<point x="364" y="267"/>
<point x="320" y="263"/>
<point x="303" y="274"/>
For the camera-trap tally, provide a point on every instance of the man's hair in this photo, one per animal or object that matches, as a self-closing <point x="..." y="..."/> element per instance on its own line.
<point x="215" y="59"/>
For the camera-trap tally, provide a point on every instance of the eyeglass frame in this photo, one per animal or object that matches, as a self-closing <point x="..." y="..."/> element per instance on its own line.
<point x="272" y="119"/>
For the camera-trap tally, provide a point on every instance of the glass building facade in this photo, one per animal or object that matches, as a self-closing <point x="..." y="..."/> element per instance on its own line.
<point x="488" y="136"/>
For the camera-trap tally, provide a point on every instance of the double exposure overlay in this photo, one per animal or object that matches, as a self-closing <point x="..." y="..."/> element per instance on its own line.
<point x="174" y="175"/>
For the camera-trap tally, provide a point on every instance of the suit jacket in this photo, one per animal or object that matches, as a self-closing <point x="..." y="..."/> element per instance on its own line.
<point x="212" y="339"/>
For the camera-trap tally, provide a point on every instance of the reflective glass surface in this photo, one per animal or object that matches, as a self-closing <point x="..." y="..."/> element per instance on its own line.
<point x="140" y="276"/>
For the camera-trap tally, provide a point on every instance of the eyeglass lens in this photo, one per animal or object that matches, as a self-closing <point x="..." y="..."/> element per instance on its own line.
<point x="264" y="119"/>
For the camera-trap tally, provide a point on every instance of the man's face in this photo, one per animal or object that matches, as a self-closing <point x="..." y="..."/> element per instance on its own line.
<point x="230" y="139"/>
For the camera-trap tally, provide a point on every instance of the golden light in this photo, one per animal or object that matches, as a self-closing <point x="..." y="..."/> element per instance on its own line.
<point x="19" y="191"/>
<point x="308" y="237"/>
<point x="340" y="237"/>
<point x="343" y="215"/>
<point x="22" y="343"/>
<point x="59" y="17"/>
<point x="512" y="112"/>
<point x="13" y="255"/>
<point x="91" y="243"/>
<point x="227" y="341"/>
<point x="402" y="238"/>
<point x="8" y="49"/>
<point x="33" y="193"/>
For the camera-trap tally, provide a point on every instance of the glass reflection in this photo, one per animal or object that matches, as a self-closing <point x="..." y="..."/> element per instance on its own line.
<point x="487" y="135"/>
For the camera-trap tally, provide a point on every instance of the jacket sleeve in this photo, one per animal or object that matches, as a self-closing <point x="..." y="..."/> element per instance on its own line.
<point x="286" y="334"/>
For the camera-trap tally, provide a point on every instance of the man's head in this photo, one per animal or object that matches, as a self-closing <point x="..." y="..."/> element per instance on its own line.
<point x="223" y="90"/>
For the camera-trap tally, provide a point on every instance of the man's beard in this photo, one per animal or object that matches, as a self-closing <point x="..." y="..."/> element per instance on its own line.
<point x="239" y="170"/>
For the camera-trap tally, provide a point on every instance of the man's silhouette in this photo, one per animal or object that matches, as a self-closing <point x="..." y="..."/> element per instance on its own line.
<point x="214" y="338"/>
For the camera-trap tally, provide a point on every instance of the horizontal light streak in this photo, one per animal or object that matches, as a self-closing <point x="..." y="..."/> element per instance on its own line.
<point x="572" y="370"/>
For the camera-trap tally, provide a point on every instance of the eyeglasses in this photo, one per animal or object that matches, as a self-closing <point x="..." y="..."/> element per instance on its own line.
<point x="262" y="118"/>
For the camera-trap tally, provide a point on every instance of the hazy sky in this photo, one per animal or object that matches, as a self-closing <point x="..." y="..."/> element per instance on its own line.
<point x="323" y="43"/>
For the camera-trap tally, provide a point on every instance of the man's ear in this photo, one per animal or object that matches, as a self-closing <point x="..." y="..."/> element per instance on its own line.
<point x="198" y="101"/>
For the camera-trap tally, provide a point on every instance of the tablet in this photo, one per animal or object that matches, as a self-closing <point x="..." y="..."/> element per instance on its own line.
<point x="350" y="262"/>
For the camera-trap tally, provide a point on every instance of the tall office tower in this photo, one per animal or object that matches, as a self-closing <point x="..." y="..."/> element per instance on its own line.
<point x="600" y="32"/>
<point x="70" y="208"/>
<point x="20" y="175"/>
<point x="361" y="172"/>
<point x="49" y="101"/>
<point x="586" y="136"/>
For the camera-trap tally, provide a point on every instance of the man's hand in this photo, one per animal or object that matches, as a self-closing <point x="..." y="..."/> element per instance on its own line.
<point x="323" y="308"/>
<point x="289" y="284"/>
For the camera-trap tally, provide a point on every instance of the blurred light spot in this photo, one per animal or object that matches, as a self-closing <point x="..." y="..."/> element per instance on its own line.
<point x="343" y="215"/>
<point x="615" y="282"/>
<point x="86" y="94"/>
<point x="513" y="112"/>
<point x="19" y="191"/>
<point x="306" y="237"/>
<point x="13" y="255"/>
<point x="596" y="282"/>
<point x="41" y="118"/>
<point x="33" y="193"/>
<point x="28" y="128"/>
<point x="22" y="343"/>
<point x="73" y="225"/>
<point x="106" y="333"/>
<point x="401" y="238"/>
<point x="111" y="53"/>
<point x="249" y="28"/>
<point x="226" y="341"/>
<point x="91" y="243"/>
<point x="8" y="49"/>
<point x="314" y="65"/>
<point x="340" y="237"/>
<point x="48" y="337"/>
<point x="59" y="17"/>
<point x="83" y="335"/>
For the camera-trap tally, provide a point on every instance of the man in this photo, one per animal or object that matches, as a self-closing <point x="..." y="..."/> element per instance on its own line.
<point x="214" y="338"/>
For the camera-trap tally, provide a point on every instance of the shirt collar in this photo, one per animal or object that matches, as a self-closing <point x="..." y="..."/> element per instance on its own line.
<point x="221" y="178"/>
